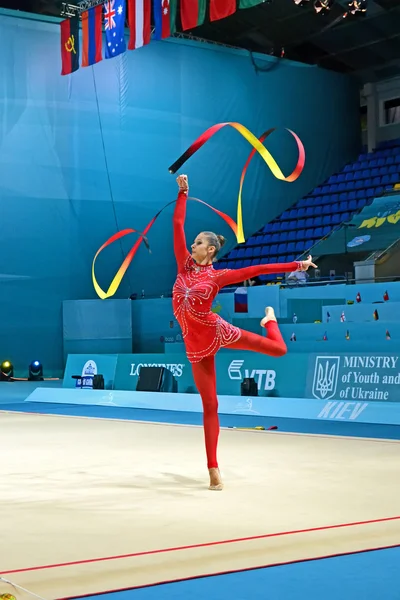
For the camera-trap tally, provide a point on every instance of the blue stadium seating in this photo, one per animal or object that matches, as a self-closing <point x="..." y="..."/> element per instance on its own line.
<point x="333" y="202"/>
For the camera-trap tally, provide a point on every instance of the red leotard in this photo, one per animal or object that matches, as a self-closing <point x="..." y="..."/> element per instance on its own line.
<point x="195" y="288"/>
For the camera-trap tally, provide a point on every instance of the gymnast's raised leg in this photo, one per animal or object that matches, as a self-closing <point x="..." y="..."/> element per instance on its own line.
<point x="273" y="344"/>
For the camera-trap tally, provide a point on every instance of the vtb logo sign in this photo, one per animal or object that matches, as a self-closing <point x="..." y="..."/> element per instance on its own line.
<point x="265" y="378"/>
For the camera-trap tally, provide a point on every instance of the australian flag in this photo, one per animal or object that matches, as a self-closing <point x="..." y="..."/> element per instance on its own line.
<point x="114" y="23"/>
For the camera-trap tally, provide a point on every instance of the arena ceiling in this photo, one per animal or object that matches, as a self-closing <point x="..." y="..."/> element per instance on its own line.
<point x="367" y="46"/>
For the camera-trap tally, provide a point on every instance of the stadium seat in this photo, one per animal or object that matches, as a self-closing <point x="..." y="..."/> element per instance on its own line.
<point x="323" y="209"/>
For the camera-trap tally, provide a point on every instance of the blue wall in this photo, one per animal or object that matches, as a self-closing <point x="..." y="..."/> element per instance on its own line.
<point x="77" y="151"/>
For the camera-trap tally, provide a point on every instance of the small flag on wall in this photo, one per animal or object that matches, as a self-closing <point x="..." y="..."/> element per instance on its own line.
<point x="114" y="21"/>
<point x="192" y="13"/>
<point x="139" y="17"/>
<point x="220" y="9"/>
<point x="69" y="45"/>
<point x="249" y="3"/>
<point x="164" y="18"/>
<point x="92" y="22"/>
<point x="241" y="300"/>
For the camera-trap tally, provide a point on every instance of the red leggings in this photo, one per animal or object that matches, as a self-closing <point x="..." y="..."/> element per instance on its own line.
<point x="205" y="380"/>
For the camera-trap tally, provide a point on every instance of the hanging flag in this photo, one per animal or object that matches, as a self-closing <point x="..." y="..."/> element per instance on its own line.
<point x="114" y="21"/>
<point x="220" y="9"/>
<point x="164" y="18"/>
<point x="69" y="45"/>
<point x="139" y="14"/>
<point x="192" y="13"/>
<point x="92" y="22"/>
<point x="249" y="3"/>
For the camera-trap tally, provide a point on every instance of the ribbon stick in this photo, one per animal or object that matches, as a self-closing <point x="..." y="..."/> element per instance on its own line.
<point x="257" y="147"/>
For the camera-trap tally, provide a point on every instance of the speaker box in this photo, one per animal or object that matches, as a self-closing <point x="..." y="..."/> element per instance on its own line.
<point x="248" y="387"/>
<point x="156" y="379"/>
<point x="98" y="382"/>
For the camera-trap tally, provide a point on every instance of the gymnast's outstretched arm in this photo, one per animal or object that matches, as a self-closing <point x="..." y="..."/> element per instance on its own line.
<point x="238" y="275"/>
<point x="180" y="248"/>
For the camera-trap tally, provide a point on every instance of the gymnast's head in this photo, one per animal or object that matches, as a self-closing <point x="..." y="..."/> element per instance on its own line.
<point x="206" y="247"/>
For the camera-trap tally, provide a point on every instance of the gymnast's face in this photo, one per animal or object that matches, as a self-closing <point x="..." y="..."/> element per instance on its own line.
<point x="202" y="252"/>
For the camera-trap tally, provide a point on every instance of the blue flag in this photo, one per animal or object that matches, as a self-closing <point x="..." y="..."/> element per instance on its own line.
<point x="114" y="23"/>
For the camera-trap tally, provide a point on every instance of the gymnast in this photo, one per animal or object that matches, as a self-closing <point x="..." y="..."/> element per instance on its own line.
<point x="203" y="331"/>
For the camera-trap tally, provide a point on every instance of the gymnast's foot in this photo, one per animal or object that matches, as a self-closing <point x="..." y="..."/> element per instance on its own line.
<point x="215" y="479"/>
<point x="269" y="316"/>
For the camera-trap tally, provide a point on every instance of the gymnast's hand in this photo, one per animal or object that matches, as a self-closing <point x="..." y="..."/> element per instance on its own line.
<point x="305" y="264"/>
<point x="183" y="184"/>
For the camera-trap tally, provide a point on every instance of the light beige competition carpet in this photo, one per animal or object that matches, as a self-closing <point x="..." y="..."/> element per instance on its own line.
<point x="76" y="490"/>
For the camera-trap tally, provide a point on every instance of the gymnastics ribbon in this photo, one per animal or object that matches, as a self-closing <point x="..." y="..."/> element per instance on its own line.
<point x="257" y="147"/>
<point x="114" y="285"/>
<point x="237" y="228"/>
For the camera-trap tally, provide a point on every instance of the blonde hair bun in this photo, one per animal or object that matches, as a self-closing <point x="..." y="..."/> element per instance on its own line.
<point x="221" y="239"/>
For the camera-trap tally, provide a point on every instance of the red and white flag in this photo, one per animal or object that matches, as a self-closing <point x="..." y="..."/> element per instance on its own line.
<point x="139" y="12"/>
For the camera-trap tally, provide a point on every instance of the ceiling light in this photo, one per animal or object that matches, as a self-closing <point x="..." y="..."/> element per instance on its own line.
<point x="323" y="6"/>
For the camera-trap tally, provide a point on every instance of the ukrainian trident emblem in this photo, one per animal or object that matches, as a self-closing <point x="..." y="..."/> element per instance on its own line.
<point x="326" y="373"/>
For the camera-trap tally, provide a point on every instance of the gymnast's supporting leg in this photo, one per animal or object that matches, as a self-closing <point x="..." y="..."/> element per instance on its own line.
<point x="273" y="344"/>
<point x="205" y="380"/>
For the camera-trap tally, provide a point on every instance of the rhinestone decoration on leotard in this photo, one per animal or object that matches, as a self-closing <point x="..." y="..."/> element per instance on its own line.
<point x="193" y="294"/>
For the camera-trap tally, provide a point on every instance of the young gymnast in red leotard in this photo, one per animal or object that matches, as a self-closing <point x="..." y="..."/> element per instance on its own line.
<point x="203" y="331"/>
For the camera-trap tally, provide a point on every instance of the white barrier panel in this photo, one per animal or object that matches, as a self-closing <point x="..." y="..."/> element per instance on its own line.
<point x="384" y="413"/>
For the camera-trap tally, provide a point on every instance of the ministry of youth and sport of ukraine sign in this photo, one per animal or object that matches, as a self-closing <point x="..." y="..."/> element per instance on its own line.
<point x="371" y="377"/>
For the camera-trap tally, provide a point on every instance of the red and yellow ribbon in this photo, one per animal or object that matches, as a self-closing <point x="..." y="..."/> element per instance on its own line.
<point x="237" y="228"/>
<point x="257" y="147"/>
<point x="114" y="285"/>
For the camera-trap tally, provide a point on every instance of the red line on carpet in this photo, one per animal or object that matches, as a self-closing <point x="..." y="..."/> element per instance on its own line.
<point x="219" y="574"/>
<point x="203" y="545"/>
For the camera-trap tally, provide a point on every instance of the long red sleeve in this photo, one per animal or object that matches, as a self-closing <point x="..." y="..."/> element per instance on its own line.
<point x="180" y="249"/>
<point x="240" y="275"/>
